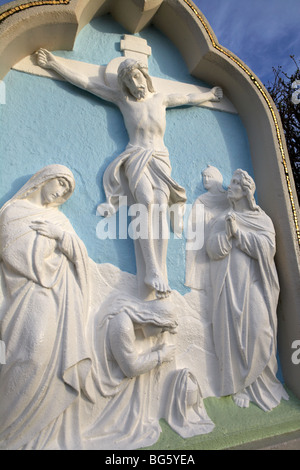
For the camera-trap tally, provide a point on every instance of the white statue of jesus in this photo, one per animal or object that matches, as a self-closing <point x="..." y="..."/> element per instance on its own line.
<point x="146" y="159"/>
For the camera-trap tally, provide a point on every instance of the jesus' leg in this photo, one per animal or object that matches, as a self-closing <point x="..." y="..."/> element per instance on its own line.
<point x="152" y="246"/>
<point x="161" y="229"/>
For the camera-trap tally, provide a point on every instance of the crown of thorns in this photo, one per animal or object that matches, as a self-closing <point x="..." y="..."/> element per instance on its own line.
<point x="129" y="65"/>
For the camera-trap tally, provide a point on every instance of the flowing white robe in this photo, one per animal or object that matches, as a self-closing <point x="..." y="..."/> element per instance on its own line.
<point x="245" y="295"/>
<point x="140" y="391"/>
<point x="45" y="287"/>
<point x="125" y="375"/>
<point x="136" y="162"/>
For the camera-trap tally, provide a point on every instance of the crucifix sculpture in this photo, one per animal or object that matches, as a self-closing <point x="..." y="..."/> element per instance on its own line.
<point x="126" y="83"/>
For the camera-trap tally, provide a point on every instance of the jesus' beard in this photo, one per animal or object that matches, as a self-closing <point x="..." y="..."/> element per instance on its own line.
<point x="140" y="93"/>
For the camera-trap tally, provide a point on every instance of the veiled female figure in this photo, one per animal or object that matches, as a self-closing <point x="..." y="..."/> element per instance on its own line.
<point x="44" y="276"/>
<point x="133" y="339"/>
<point x="138" y="376"/>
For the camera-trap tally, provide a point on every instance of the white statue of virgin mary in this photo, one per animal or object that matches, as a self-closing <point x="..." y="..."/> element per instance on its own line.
<point x="44" y="276"/>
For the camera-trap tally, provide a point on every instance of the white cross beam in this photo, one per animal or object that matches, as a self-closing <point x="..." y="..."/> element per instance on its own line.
<point x="132" y="47"/>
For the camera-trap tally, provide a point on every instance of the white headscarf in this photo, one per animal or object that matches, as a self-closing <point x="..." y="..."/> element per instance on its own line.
<point x="38" y="179"/>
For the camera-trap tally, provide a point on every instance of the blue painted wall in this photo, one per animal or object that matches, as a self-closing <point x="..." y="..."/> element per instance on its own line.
<point x="46" y="121"/>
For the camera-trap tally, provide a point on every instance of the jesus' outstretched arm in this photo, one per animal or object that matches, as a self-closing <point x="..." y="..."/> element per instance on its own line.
<point x="193" y="99"/>
<point x="48" y="61"/>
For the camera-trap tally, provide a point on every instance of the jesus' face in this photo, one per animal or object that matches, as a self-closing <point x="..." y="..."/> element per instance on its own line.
<point x="136" y="84"/>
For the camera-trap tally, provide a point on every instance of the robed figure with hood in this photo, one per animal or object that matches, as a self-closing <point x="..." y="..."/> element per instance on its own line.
<point x="44" y="279"/>
<point x="245" y="289"/>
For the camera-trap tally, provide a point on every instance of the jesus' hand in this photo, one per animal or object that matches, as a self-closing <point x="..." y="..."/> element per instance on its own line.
<point x="45" y="59"/>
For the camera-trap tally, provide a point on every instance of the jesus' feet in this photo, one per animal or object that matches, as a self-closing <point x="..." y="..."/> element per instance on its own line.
<point x="241" y="400"/>
<point x="159" y="284"/>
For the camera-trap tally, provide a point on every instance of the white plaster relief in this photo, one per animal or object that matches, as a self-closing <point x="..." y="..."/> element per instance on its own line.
<point x="132" y="47"/>
<point x="82" y="342"/>
<point x="235" y="279"/>
<point x="145" y="161"/>
<point x="91" y="366"/>
<point x="80" y="346"/>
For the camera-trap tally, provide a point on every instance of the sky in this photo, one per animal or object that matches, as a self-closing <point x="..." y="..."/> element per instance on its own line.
<point x="262" y="33"/>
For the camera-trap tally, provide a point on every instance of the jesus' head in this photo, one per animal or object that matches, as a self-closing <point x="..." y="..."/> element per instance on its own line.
<point x="134" y="79"/>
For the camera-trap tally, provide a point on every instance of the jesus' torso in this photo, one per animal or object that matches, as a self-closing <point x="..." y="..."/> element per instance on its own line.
<point x="145" y="121"/>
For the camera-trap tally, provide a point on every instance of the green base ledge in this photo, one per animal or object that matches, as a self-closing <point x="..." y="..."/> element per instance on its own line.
<point x="235" y="426"/>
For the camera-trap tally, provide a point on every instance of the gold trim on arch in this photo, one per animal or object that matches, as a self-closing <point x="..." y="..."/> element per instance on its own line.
<point x="25" y="6"/>
<point x="271" y="108"/>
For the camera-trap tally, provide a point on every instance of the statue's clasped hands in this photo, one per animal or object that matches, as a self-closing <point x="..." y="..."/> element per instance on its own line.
<point x="231" y="225"/>
<point x="48" y="229"/>
<point x="167" y="352"/>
